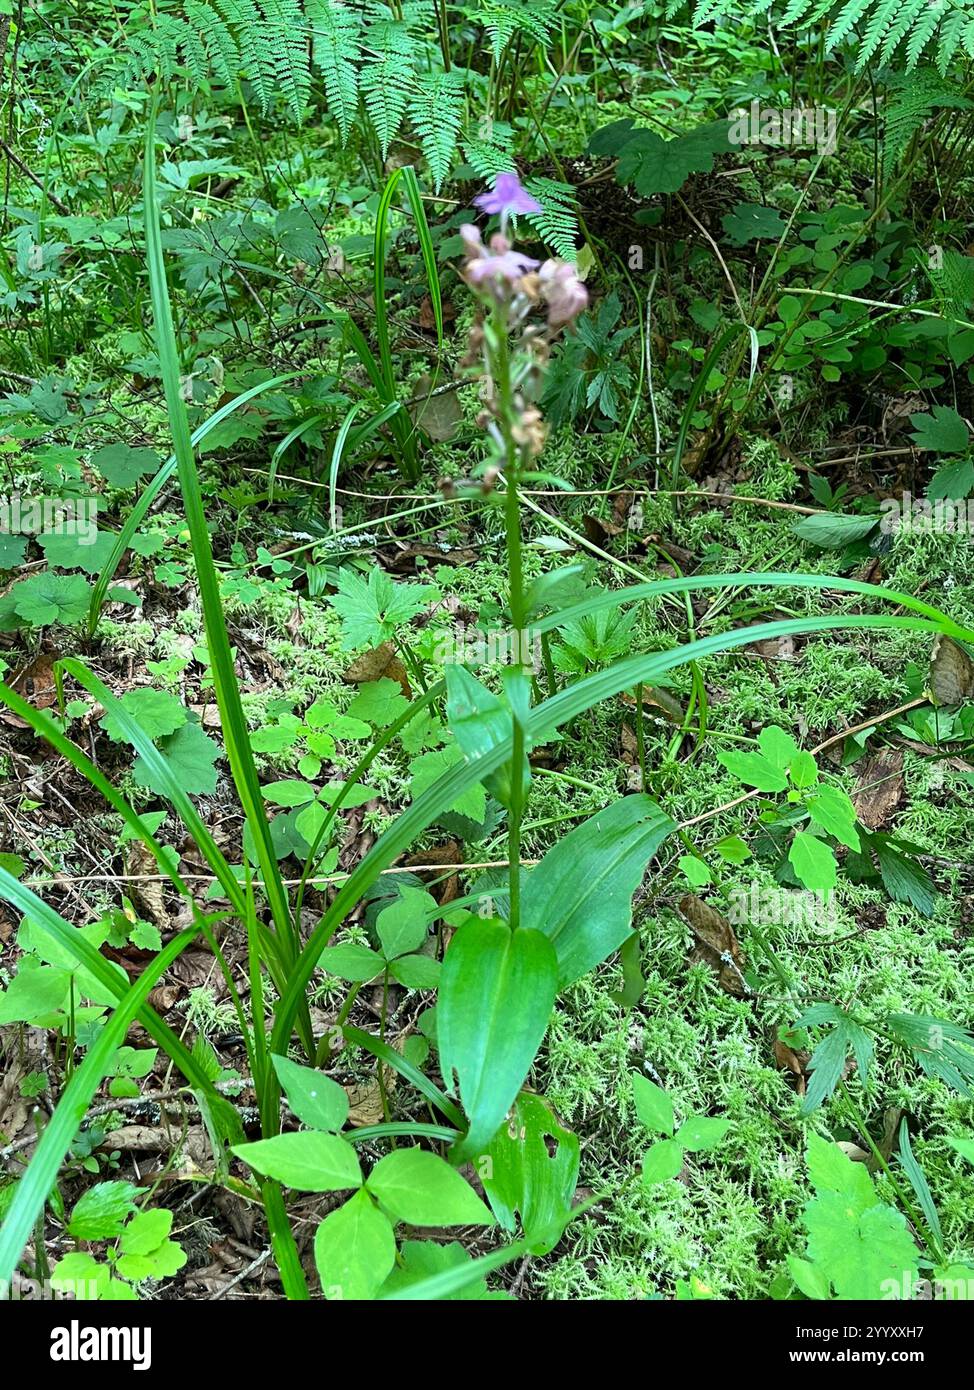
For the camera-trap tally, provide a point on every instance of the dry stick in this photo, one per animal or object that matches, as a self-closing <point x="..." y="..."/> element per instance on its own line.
<point x="254" y="1265"/>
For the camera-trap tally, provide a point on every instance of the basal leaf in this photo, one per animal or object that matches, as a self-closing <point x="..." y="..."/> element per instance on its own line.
<point x="580" y="895"/>
<point x="497" y="988"/>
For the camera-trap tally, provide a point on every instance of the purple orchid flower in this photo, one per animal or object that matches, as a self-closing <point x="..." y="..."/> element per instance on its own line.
<point x="507" y="197"/>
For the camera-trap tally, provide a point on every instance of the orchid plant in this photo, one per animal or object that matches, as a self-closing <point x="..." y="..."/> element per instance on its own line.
<point x="500" y="973"/>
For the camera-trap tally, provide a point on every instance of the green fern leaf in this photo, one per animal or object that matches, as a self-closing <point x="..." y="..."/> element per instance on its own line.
<point x="336" y="50"/>
<point x="436" y="111"/>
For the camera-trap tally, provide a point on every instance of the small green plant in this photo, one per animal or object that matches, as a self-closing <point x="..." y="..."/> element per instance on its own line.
<point x="697" y="1134"/>
<point x="137" y="1245"/>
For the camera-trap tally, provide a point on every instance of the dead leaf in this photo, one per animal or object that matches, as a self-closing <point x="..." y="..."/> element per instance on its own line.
<point x="879" y="788"/>
<point x="716" y="944"/>
<point x="450" y="853"/>
<point x="599" y="531"/>
<point x="381" y="662"/>
<point x="365" y="1103"/>
<point x="149" y="895"/>
<point x="440" y="415"/>
<point x="36" y="682"/>
<point x="404" y="560"/>
<point x="774" y="648"/>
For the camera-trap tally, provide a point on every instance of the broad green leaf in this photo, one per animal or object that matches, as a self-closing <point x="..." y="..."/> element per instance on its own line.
<point x="101" y="1212"/>
<point x="316" y="1099"/>
<point x="754" y="770"/>
<point x="778" y="746"/>
<point x="859" y="1252"/>
<point x="308" y="1160"/>
<point x="355" y="1249"/>
<point x="813" y="862"/>
<point x="371" y="611"/>
<point x="158" y="713"/>
<point x="532" y="1169"/>
<point x="51" y="598"/>
<point x="417" y="1186"/>
<point x="421" y="1259"/>
<point x="71" y="551"/>
<point x="804" y="771"/>
<point x="653" y="1106"/>
<point x="833" y="530"/>
<point x="191" y="755"/>
<point x="580" y="895"/>
<point x="810" y="1280"/>
<point x="497" y="988"/>
<point x="289" y="792"/>
<point x="701" y="1132"/>
<point x="654" y="165"/>
<point x="35" y="991"/>
<point x="403" y="926"/>
<point x="694" y="870"/>
<point x="428" y="768"/>
<point x="121" y="465"/>
<point x="350" y="962"/>
<point x="965" y="1147"/>
<point x="416" y="972"/>
<point x="662" y="1161"/>
<point x="480" y="722"/>
<point x="832" y="809"/>
<point x="943" y="431"/>
<point x="752" y="222"/>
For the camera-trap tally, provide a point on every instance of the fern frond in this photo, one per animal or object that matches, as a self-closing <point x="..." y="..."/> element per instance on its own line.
<point x="336" y="52"/>
<point x="534" y="19"/>
<point x="387" y="76"/>
<point x="900" y="30"/>
<point x="288" y="53"/>
<point x="557" y="222"/>
<point x="436" y="111"/>
<point x="915" y="100"/>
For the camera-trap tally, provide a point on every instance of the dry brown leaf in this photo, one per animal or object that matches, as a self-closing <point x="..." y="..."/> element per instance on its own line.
<point x="879" y="788"/>
<point x="36" y="682"/>
<point x="380" y="663"/>
<point x="149" y="895"/>
<point x="365" y="1103"/>
<point x="598" y="530"/>
<point x="716" y="944"/>
<point x="450" y="853"/>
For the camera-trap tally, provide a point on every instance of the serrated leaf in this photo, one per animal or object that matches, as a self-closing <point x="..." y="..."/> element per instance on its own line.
<point x="754" y="770"/>
<point x="813" y="862"/>
<point x="103" y="1210"/>
<point x="191" y="755"/>
<point x="943" y="431"/>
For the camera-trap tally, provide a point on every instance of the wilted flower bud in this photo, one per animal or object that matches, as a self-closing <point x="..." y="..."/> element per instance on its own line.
<point x="564" y="293"/>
